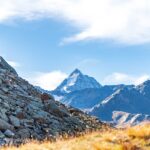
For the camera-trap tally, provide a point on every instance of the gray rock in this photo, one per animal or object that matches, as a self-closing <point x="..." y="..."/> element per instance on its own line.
<point x="15" y="121"/>
<point x="24" y="133"/>
<point x="1" y="81"/>
<point x="9" y="133"/>
<point x="2" y="135"/>
<point x="55" y="109"/>
<point x="3" y="114"/>
<point x="2" y="142"/>
<point x="4" y="125"/>
<point x="5" y="89"/>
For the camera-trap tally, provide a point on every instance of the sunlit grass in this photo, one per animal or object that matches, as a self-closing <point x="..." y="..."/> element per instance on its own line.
<point x="134" y="138"/>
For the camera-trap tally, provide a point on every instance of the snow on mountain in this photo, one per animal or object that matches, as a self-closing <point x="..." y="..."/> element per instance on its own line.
<point x="77" y="81"/>
<point x="87" y="98"/>
<point x="144" y="88"/>
<point x="126" y="99"/>
<point x="124" y="119"/>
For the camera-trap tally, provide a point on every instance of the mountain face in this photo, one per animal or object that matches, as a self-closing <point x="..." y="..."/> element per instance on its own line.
<point x="87" y="98"/>
<point x="126" y="99"/>
<point x="124" y="119"/>
<point x="144" y="89"/>
<point x="27" y="113"/>
<point x="77" y="81"/>
<point x="82" y="91"/>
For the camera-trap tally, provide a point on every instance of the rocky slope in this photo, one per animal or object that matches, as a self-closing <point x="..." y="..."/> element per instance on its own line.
<point x="27" y="113"/>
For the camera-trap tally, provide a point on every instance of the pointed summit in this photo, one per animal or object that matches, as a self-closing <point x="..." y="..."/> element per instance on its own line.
<point x="76" y="71"/>
<point x="75" y="74"/>
<point x="4" y="65"/>
<point x="77" y="81"/>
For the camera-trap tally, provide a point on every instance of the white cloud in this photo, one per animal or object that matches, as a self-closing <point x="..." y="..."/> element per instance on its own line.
<point x="14" y="64"/>
<point x="48" y="80"/>
<point x="119" y="20"/>
<point x="121" y="78"/>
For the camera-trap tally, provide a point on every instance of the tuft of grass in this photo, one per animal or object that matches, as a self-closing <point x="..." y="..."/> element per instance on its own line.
<point x="140" y="131"/>
<point x="132" y="138"/>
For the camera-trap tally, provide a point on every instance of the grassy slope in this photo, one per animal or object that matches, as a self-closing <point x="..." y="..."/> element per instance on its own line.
<point x="135" y="138"/>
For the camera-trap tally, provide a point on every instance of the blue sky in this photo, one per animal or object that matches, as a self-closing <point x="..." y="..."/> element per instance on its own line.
<point x="45" y="46"/>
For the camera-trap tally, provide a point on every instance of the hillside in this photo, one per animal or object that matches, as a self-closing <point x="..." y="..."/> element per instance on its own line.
<point x="26" y="113"/>
<point x="135" y="138"/>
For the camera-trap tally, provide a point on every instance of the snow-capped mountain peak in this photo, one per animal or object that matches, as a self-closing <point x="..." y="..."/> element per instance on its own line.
<point x="73" y="77"/>
<point x="77" y="81"/>
<point x="76" y="71"/>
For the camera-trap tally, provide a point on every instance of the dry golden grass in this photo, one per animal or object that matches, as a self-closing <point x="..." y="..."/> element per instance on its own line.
<point x="134" y="138"/>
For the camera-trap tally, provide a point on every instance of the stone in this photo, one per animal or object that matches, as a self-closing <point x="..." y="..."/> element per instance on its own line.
<point x="5" y="89"/>
<point x="9" y="133"/>
<point x="20" y="115"/>
<point x="1" y="81"/>
<point x="2" y="142"/>
<point x="24" y="133"/>
<point x="45" y="97"/>
<point x="2" y="135"/>
<point x="15" y="121"/>
<point x="4" y="125"/>
<point x="3" y="114"/>
<point x="55" y="109"/>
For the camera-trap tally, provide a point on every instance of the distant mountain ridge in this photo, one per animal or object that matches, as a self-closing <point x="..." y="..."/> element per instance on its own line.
<point x="127" y="100"/>
<point x="87" y="98"/>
